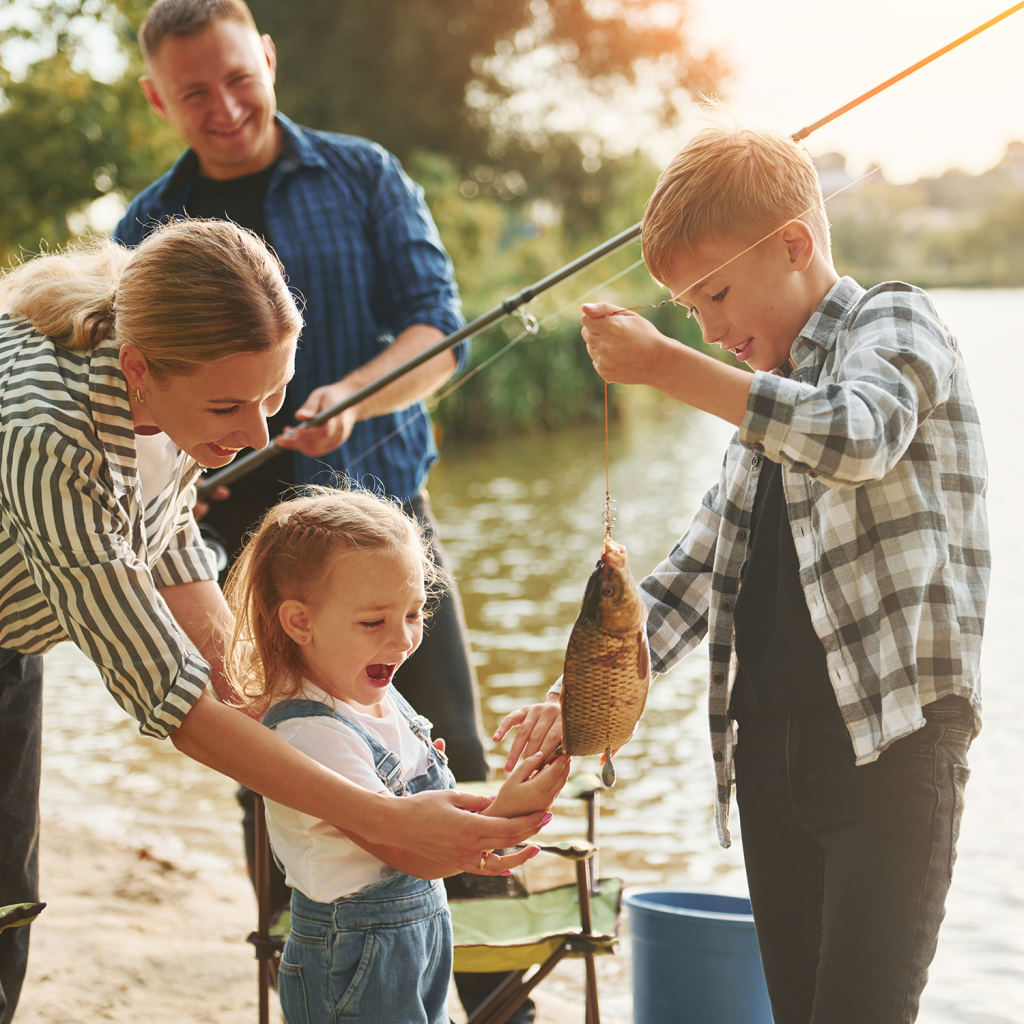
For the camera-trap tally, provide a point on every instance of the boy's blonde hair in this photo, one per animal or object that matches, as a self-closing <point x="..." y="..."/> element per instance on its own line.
<point x="195" y="291"/>
<point x="731" y="182"/>
<point x="288" y="557"/>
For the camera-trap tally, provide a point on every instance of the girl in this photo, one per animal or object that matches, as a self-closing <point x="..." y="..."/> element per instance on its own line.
<point x="330" y="597"/>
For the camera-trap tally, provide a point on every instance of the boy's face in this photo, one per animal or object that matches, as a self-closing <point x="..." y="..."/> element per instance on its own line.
<point x="217" y="89"/>
<point x="755" y="305"/>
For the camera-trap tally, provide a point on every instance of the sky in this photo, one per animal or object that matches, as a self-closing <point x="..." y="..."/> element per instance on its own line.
<point x="797" y="60"/>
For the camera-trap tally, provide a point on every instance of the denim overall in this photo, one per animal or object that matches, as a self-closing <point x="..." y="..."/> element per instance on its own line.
<point x="383" y="954"/>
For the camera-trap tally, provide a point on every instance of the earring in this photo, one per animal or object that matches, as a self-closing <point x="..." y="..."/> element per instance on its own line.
<point x="138" y="398"/>
<point x="303" y="639"/>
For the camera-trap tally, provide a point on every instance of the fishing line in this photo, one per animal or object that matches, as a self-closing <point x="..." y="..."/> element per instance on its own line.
<point x="525" y="333"/>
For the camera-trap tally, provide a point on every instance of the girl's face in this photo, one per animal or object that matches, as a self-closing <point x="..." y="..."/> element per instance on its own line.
<point x="367" y="623"/>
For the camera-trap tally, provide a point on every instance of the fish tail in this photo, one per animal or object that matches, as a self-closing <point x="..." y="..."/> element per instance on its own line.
<point x="608" y="770"/>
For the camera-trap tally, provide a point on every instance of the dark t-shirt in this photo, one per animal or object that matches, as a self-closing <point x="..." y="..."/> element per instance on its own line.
<point x="241" y="200"/>
<point x="781" y="660"/>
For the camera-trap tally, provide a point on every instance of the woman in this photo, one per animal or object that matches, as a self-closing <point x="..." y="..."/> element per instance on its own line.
<point x="122" y="374"/>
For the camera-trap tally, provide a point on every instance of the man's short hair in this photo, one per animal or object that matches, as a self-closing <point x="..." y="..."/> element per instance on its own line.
<point x="187" y="18"/>
<point x="731" y="182"/>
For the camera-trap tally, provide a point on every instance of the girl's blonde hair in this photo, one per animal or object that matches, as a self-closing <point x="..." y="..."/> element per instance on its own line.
<point x="195" y="291"/>
<point x="288" y="557"/>
<point x="731" y="182"/>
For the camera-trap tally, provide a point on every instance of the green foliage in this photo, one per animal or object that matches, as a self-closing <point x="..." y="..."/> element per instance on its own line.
<point x="69" y="139"/>
<point x="542" y="382"/>
<point x="402" y="74"/>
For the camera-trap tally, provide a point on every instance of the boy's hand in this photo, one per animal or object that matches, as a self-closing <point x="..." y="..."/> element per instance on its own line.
<point x="625" y="348"/>
<point x="524" y="792"/>
<point x="540" y="730"/>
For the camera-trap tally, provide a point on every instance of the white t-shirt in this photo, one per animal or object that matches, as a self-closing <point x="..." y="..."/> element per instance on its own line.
<point x="319" y="860"/>
<point x="157" y="458"/>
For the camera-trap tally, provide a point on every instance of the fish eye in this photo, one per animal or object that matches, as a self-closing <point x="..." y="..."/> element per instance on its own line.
<point x="609" y="591"/>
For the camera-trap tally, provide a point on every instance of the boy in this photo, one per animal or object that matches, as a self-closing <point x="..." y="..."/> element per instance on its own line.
<point x="840" y="566"/>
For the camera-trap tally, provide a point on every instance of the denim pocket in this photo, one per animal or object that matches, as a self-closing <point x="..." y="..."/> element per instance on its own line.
<point x="961" y="773"/>
<point x="292" y="990"/>
<point x="351" y="954"/>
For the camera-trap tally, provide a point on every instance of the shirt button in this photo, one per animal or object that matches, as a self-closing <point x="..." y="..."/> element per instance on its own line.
<point x="718" y="756"/>
<point x="753" y="460"/>
<point x="727" y="606"/>
<point x="741" y="535"/>
<point x="717" y="677"/>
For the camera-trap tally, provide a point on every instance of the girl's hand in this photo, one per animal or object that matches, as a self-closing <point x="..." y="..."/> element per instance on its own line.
<point x="530" y="787"/>
<point x="625" y="348"/>
<point x="540" y="729"/>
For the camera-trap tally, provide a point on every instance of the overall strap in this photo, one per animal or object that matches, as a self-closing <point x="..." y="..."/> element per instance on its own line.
<point x="419" y="724"/>
<point x="386" y="763"/>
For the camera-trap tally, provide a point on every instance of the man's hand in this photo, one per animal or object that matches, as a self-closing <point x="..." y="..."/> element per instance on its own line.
<point x="539" y="729"/>
<point x="625" y="348"/>
<point x="316" y="441"/>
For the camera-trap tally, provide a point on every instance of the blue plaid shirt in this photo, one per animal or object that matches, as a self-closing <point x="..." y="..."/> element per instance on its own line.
<point x="360" y="247"/>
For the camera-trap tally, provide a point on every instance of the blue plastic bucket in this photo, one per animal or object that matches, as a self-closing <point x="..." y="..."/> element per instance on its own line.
<point x="695" y="959"/>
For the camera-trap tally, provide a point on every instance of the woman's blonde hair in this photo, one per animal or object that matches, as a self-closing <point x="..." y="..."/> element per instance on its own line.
<point x="195" y="291"/>
<point x="731" y="182"/>
<point x="288" y="557"/>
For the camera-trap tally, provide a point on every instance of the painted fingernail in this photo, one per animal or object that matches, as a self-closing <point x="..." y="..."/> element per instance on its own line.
<point x="533" y="853"/>
<point x="509" y="872"/>
<point x="547" y="817"/>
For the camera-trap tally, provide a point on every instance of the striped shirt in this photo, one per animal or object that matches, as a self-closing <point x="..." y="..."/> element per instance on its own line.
<point x="885" y="477"/>
<point x="360" y="247"/>
<point x="80" y="557"/>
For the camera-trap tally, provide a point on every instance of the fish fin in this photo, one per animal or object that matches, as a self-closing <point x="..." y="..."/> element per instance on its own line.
<point x="643" y="656"/>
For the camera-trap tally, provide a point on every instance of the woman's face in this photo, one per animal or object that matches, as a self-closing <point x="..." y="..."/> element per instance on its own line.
<point x="219" y="408"/>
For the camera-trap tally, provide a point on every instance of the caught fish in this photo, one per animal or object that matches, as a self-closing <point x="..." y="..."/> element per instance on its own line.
<point x="607" y="663"/>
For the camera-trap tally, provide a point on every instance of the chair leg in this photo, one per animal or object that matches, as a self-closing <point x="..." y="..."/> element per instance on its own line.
<point x="593" y="1013"/>
<point x="513" y="992"/>
<point x="263" y="907"/>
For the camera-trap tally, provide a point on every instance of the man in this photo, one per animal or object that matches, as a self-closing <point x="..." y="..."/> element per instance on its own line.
<point x="360" y="247"/>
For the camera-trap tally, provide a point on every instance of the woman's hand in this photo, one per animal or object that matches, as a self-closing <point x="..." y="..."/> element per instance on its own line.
<point x="441" y="832"/>
<point x="539" y="729"/>
<point x="533" y="786"/>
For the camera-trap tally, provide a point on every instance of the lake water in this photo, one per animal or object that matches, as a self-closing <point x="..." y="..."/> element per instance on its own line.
<point x="522" y="523"/>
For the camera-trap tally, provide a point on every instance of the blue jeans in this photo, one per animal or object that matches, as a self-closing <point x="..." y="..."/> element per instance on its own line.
<point x="21" y="716"/>
<point x="848" y="867"/>
<point x="380" y="956"/>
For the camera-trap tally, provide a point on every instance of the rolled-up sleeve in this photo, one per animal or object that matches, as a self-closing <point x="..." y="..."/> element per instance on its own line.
<point x="417" y="271"/>
<point x="76" y="540"/>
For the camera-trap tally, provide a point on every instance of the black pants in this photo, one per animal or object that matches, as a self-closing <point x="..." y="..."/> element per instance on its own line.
<point x="21" y="719"/>
<point x="848" y="867"/>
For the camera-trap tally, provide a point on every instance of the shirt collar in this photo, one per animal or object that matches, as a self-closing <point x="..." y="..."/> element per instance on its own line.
<point x="818" y="336"/>
<point x="296" y="151"/>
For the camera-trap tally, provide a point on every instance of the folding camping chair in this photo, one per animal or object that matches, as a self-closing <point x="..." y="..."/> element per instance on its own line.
<point x="496" y="934"/>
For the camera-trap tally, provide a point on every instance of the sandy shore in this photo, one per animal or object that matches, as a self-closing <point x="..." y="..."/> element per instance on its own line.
<point x="130" y="937"/>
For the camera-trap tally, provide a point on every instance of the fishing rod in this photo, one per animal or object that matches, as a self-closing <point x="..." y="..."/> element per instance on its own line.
<point x="247" y="463"/>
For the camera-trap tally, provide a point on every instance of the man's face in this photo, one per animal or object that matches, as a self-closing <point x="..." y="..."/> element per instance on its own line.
<point x="217" y="89"/>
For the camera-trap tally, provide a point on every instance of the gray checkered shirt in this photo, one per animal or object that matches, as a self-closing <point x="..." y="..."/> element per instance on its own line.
<point x="885" y="477"/>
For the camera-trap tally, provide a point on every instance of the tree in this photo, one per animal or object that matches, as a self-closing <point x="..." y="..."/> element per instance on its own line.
<point x="67" y="138"/>
<point x="490" y="84"/>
